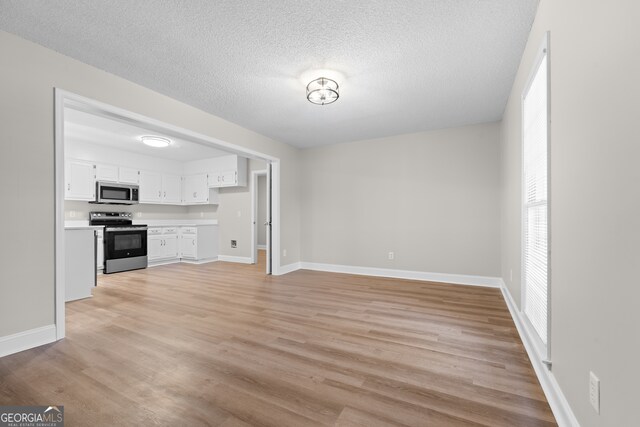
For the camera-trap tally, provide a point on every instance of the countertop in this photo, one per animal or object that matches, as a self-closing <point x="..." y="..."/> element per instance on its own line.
<point x="84" y="224"/>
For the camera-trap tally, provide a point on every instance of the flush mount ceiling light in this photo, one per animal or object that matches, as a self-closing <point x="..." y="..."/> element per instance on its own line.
<point x="322" y="91"/>
<point x="155" y="141"/>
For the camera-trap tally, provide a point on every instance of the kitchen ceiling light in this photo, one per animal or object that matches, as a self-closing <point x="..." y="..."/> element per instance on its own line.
<point x="322" y="91"/>
<point x="156" y="141"/>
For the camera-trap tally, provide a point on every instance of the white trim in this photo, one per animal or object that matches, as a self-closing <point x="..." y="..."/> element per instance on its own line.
<point x="27" y="339"/>
<point x="200" y="261"/>
<point x="163" y="262"/>
<point x="238" y="259"/>
<point x="254" y="214"/>
<point x="58" y="196"/>
<point x="262" y="248"/>
<point x="558" y="402"/>
<point x="457" y="279"/>
<point x="288" y="268"/>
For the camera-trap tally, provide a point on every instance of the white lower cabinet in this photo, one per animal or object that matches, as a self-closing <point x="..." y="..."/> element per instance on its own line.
<point x="199" y="243"/>
<point x="162" y="244"/>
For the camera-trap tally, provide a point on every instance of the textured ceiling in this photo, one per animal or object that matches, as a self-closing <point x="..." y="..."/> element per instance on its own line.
<point x="402" y="65"/>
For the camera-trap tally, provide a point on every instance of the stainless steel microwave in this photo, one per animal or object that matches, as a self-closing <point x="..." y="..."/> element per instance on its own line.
<point x="116" y="194"/>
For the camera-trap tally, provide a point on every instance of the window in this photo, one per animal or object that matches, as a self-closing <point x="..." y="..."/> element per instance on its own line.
<point x="535" y="212"/>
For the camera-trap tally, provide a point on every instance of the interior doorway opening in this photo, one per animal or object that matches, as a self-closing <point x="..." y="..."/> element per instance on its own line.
<point x="66" y="102"/>
<point x="261" y="216"/>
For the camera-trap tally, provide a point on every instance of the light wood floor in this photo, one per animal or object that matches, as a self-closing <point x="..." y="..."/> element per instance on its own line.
<point x="224" y="345"/>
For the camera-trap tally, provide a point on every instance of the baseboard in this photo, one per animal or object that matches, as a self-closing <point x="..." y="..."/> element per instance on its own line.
<point x="284" y="269"/>
<point x="558" y="402"/>
<point x="458" y="279"/>
<point x="262" y="247"/>
<point x="27" y="339"/>
<point x="200" y="261"/>
<point x="238" y="259"/>
<point x="165" y="262"/>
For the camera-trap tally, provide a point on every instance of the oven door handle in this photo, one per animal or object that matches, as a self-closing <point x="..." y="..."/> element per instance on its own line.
<point x="125" y="229"/>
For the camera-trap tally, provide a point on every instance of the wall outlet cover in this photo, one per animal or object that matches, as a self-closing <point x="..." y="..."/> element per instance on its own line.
<point x="234" y="243"/>
<point x="392" y="255"/>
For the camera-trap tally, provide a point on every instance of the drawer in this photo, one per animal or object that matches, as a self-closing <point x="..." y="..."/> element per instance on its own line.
<point x="189" y="230"/>
<point x="170" y="230"/>
<point x="154" y="231"/>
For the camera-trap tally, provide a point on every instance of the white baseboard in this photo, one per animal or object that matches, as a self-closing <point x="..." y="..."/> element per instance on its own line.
<point x="238" y="259"/>
<point x="262" y="247"/>
<point x="163" y="262"/>
<point x="458" y="279"/>
<point x="27" y="339"/>
<point x="200" y="261"/>
<point x="284" y="269"/>
<point x="558" y="402"/>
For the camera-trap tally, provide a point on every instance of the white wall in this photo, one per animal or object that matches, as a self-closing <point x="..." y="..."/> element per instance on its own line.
<point x="432" y="198"/>
<point x="28" y="76"/>
<point x="595" y="200"/>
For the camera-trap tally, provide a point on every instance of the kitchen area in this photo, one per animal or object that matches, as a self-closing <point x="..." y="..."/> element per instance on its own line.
<point x="138" y="198"/>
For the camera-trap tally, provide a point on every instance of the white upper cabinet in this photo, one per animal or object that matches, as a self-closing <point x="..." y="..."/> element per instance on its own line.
<point x="150" y="187"/>
<point x="80" y="179"/>
<point x="171" y="189"/>
<point x="228" y="171"/>
<point x="159" y="188"/>
<point x="195" y="189"/>
<point x="106" y="173"/>
<point x="129" y="176"/>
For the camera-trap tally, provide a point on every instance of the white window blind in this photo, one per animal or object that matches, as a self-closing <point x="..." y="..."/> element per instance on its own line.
<point x="535" y="175"/>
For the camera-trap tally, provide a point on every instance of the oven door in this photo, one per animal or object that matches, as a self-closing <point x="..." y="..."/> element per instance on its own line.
<point x="125" y="242"/>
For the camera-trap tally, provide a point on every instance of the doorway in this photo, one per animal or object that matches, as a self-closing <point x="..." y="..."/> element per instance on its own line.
<point x="64" y="101"/>
<point x="261" y="215"/>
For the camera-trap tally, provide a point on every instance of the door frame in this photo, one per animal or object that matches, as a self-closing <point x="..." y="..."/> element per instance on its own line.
<point x="63" y="99"/>
<point x="254" y="215"/>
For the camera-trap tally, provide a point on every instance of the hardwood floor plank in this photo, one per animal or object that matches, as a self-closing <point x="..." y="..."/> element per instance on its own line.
<point x="223" y="344"/>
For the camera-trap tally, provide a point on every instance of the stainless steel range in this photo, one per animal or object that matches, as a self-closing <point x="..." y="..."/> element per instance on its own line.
<point x="125" y="244"/>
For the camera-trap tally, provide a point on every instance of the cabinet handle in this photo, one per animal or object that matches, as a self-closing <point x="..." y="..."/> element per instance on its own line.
<point x="236" y="177"/>
<point x="193" y="242"/>
<point x="69" y="187"/>
<point x="165" y="194"/>
<point x="195" y="194"/>
<point x="159" y="193"/>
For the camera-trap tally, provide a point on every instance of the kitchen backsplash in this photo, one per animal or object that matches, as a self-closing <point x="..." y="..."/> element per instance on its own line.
<point x="75" y="210"/>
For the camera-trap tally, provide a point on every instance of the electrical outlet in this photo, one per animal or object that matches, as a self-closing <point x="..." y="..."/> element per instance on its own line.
<point x="234" y="243"/>
<point x="594" y="391"/>
<point x="201" y="214"/>
<point x="72" y="214"/>
<point x="284" y="252"/>
<point x="139" y="214"/>
<point x="239" y="214"/>
<point x="392" y="255"/>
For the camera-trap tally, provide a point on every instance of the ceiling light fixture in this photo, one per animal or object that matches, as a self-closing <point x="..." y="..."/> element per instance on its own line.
<point x="156" y="141"/>
<point x="322" y="91"/>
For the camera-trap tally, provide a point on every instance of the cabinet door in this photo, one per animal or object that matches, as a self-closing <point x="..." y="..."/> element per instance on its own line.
<point x="150" y="187"/>
<point x="171" y="246"/>
<point x="188" y="247"/>
<point x="229" y="178"/>
<point x="155" y="247"/>
<point x="195" y="189"/>
<point x="171" y="189"/>
<point x="107" y="173"/>
<point x="128" y="176"/>
<point x="80" y="181"/>
<point x="214" y="179"/>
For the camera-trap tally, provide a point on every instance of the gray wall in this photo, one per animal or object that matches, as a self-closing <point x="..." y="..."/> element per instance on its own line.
<point x="431" y="197"/>
<point x="262" y="209"/>
<point x="28" y="75"/>
<point x="595" y="200"/>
